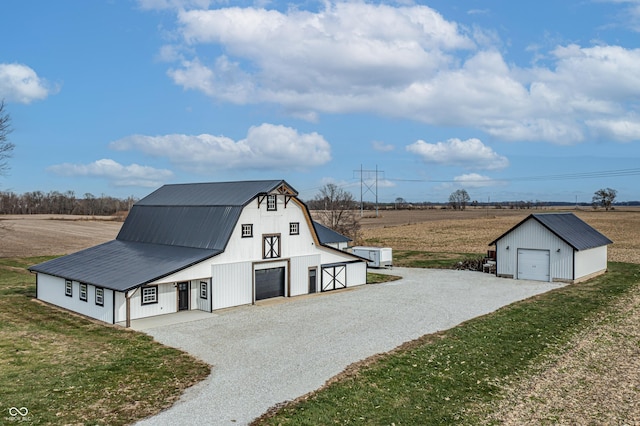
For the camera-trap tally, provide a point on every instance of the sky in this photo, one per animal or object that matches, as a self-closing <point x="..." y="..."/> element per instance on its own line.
<point x="509" y="100"/>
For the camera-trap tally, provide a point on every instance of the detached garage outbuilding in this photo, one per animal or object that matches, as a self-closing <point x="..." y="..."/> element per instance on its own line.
<point x="551" y="247"/>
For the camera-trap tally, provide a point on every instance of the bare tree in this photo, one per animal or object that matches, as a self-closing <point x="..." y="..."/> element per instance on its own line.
<point x="604" y="197"/>
<point x="6" y="147"/>
<point x="459" y="199"/>
<point x="336" y="209"/>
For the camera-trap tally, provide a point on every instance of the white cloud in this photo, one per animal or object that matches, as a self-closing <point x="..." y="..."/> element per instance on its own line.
<point x="625" y="129"/>
<point x="266" y="146"/>
<point x="382" y="147"/>
<point x="401" y="61"/>
<point x="119" y="175"/>
<point x="20" y="83"/>
<point x="475" y="180"/>
<point x="470" y="154"/>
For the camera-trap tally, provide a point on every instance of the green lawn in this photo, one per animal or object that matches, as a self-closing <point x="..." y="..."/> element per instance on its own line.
<point x="455" y="377"/>
<point x="66" y="369"/>
<point x="423" y="259"/>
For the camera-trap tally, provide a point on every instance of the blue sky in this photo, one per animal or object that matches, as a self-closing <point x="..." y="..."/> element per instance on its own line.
<point x="508" y="100"/>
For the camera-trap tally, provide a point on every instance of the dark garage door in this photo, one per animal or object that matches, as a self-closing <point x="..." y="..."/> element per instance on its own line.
<point x="269" y="283"/>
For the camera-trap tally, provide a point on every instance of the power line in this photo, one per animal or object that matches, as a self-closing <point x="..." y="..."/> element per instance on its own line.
<point x="566" y="176"/>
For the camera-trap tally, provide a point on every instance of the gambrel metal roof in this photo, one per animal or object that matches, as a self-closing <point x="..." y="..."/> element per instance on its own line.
<point x="569" y="228"/>
<point x="172" y="228"/>
<point x="211" y="194"/>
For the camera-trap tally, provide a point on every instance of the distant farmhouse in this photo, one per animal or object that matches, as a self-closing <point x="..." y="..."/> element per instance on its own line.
<point x="202" y="246"/>
<point x="551" y="247"/>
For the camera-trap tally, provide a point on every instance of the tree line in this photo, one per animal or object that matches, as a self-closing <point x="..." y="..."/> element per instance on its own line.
<point x="54" y="202"/>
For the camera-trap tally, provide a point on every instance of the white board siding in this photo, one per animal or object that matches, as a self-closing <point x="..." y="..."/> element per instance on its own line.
<point x="167" y="303"/>
<point x="532" y="235"/>
<point x="197" y="301"/>
<point x="356" y="274"/>
<point x="231" y="284"/>
<point x="300" y="273"/>
<point x="591" y="261"/>
<point x="264" y="222"/>
<point x="52" y="290"/>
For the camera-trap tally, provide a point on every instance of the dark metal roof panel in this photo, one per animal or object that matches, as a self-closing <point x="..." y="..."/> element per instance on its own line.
<point x="200" y="227"/>
<point x="328" y="235"/>
<point x="573" y="230"/>
<point x="123" y="265"/>
<point x="568" y="227"/>
<point x="209" y="194"/>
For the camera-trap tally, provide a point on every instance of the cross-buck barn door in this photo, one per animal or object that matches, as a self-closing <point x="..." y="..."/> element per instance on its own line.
<point x="334" y="277"/>
<point x="183" y="296"/>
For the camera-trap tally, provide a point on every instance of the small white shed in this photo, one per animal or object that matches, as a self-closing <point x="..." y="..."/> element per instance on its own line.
<point x="551" y="247"/>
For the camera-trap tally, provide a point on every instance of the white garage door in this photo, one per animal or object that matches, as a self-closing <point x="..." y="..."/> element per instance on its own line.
<point x="533" y="265"/>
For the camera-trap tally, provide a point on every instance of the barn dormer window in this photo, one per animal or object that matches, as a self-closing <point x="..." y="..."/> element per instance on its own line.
<point x="272" y="203"/>
<point x="247" y="230"/>
<point x="294" y="228"/>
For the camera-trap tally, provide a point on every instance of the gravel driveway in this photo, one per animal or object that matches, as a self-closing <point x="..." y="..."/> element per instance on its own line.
<point x="269" y="353"/>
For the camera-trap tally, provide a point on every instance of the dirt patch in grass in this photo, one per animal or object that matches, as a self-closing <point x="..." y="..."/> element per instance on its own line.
<point x="595" y="381"/>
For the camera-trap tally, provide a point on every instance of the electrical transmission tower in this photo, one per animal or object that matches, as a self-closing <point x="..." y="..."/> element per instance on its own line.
<point x="368" y="183"/>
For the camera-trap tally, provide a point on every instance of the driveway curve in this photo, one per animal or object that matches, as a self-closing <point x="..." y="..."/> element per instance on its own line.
<point x="266" y="354"/>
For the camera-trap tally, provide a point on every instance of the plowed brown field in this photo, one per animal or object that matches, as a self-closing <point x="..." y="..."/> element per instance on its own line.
<point x="471" y="231"/>
<point x="468" y="231"/>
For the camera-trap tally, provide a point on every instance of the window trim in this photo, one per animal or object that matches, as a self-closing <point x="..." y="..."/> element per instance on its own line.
<point x="68" y="288"/>
<point x="278" y="254"/>
<point x="155" y="292"/>
<point x="249" y="228"/>
<point x="85" y="292"/>
<point x="100" y="297"/>
<point x="204" y="290"/>
<point x="293" y="225"/>
<point x="272" y="198"/>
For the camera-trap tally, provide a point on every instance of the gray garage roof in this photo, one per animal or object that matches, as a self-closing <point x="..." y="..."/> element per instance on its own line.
<point x="123" y="265"/>
<point x="569" y="228"/>
<point x="328" y="235"/>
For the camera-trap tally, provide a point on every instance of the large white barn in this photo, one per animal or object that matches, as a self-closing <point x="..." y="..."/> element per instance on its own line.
<point x="551" y="247"/>
<point x="201" y="246"/>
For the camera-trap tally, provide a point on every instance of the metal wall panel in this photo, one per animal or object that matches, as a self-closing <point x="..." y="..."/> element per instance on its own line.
<point x="532" y="235"/>
<point x="356" y="274"/>
<point x="300" y="273"/>
<point x="232" y="284"/>
<point x="591" y="261"/>
<point x="52" y="290"/>
<point x="167" y="302"/>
